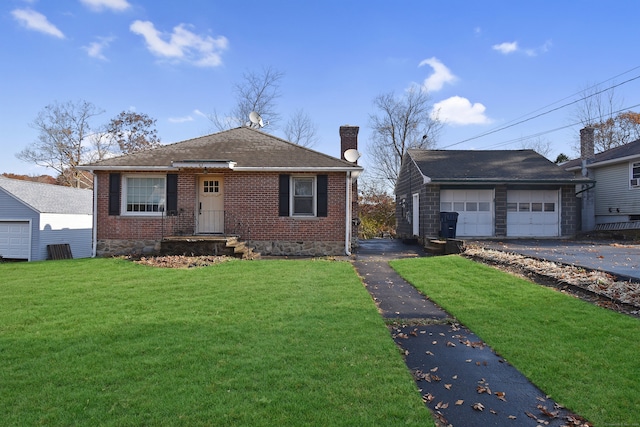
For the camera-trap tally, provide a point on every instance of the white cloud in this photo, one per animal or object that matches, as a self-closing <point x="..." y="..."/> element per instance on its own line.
<point x="506" y="48"/>
<point x="182" y="44"/>
<point x="95" y="49"/>
<point x="441" y="75"/>
<point x="99" y="5"/>
<point x="36" y="21"/>
<point x="200" y="113"/>
<point x="180" y="119"/>
<point x="459" y="111"/>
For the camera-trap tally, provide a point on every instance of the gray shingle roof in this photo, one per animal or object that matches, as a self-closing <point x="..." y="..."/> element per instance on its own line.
<point x="524" y="166"/>
<point x="627" y="150"/>
<point x="247" y="147"/>
<point x="48" y="198"/>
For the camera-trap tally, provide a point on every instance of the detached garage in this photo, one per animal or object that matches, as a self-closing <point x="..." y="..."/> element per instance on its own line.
<point x="496" y="193"/>
<point x="34" y="216"/>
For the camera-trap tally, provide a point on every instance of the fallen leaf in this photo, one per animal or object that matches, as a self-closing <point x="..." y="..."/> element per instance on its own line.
<point x="414" y="333"/>
<point x="468" y="360"/>
<point x="450" y="344"/>
<point x="434" y="369"/>
<point x="447" y="386"/>
<point x="501" y="395"/>
<point x="455" y="377"/>
<point x="459" y="402"/>
<point x="512" y="417"/>
<point x="548" y="413"/>
<point x="493" y="412"/>
<point x="478" y="406"/>
<point x="429" y="353"/>
<point x="442" y="405"/>
<point x="434" y="342"/>
<point x="427" y="398"/>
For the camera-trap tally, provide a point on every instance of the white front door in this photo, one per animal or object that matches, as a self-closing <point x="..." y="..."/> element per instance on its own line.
<point x="533" y="213"/>
<point x="210" y="204"/>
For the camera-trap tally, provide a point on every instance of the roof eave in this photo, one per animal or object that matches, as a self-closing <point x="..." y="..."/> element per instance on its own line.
<point x="511" y="181"/>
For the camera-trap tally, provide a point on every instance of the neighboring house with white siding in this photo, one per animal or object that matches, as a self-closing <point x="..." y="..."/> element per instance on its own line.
<point x="35" y="215"/>
<point x="613" y="202"/>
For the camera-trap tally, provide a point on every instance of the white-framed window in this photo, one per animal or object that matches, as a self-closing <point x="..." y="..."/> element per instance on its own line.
<point x="303" y="196"/>
<point x="143" y="195"/>
<point x="634" y="174"/>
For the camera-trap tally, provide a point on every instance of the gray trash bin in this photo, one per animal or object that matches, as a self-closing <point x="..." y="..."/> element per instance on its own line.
<point x="448" y="223"/>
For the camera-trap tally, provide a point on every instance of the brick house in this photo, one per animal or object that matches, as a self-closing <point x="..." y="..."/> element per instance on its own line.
<point x="496" y="193"/>
<point x="277" y="197"/>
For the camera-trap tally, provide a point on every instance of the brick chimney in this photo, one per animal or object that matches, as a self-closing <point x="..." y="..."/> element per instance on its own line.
<point x="348" y="139"/>
<point x="587" y="149"/>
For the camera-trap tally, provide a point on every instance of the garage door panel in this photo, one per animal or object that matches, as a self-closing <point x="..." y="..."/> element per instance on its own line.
<point x="533" y="213"/>
<point x="475" y="211"/>
<point x="15" y="239"/>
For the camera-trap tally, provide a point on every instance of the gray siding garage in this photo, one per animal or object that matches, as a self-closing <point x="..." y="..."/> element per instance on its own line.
<point x="35" y="215"/>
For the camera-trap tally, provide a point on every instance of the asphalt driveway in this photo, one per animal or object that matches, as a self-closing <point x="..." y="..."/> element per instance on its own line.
<point x="618" y="258"/>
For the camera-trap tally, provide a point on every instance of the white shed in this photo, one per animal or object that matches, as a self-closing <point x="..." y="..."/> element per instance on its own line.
<point x="34" y="216"/>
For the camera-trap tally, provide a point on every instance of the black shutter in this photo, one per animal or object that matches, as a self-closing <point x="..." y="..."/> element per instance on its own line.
<point x="114" y="194"/>
<point x="323" y="194"/>
<point x="283" y="193"/>
<point x="172" y="194"/>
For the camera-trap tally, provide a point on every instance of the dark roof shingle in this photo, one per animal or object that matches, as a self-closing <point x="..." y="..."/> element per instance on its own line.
<point x="247" y="147"/>
<point x="623" y="151"/>
<point x="488" y="166"/>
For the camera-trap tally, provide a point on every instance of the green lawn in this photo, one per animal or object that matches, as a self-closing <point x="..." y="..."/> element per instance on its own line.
<point x="278" y="342"/>
<point x="585" y="357"/>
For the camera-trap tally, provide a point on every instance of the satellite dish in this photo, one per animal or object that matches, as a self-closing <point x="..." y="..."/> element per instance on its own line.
<point x="351" y="155"/>
<point x="256" y="120"/>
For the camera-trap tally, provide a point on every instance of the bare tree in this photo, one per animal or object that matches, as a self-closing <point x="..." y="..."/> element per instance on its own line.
<point x="301" y="130"/>
<point x="132" y="132"/>
<point x="63" y="140"/>
<point x="540" y="145"/>
<point x="601" y="109"/>
<point x="400" y="124"/>
<point x="256" y="92"/>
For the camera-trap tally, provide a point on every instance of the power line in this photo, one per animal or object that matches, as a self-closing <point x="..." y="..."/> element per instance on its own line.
<point x="524" y="138"/>
<point x="512" y="123"/>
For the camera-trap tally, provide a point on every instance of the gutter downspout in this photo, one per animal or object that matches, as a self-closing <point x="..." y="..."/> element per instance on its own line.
<point x="95" y="217"/>
<point x="347" y="216"/>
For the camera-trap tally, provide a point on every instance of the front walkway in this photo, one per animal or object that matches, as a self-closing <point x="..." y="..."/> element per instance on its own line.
<point x="461" y="379"/>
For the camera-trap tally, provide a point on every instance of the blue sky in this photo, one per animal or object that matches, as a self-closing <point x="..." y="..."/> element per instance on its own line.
<point x="486" y="64"/>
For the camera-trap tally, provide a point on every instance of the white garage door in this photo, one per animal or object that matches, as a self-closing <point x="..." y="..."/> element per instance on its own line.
<point x="533" y="213"/>
<point x="475" y="211"/>
<point x="15" y="242"/>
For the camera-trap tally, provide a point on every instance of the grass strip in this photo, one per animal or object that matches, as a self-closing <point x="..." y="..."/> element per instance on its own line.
<point x="583" y="356"/>
<point x="108" y="342"/>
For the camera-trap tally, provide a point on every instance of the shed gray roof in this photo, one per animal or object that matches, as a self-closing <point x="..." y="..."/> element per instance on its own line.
<point x="478" y="166"/>
<point x="622" y="152"/>
<point x="49" y="198"/>
<point x="248" y="148"/>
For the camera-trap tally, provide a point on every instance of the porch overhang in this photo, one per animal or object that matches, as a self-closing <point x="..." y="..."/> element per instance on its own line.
<point x="204" y="164"/>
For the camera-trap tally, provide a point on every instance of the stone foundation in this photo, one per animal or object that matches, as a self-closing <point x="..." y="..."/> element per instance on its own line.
<point x="117" y="247"/>
<point x="286" y="248"/>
